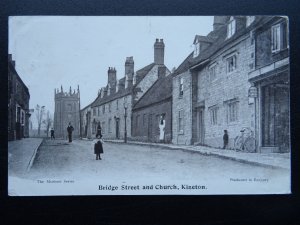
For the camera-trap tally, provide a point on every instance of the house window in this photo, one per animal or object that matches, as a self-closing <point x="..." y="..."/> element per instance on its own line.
<point x="94" y="111"/>
<point x="137" y="121"/>
<point x="109" y="125"/>
<point x="231" y="63"/>
<point x="276" y="38"/>
<point x="249" y="20"/>
<point x="196" y="49"/>
<point x="180" y="121"/>
<point x="144" y="119"/>
<point x="117" y="103"/>
<point x="180" y="86"/>
<point x="22" y="117"/>
<point x="103" y="109"/>
<point x="213" y="111"/>
<point x="109" y="107"/>
<point x="231" y="27"/>
<point x="232" y="111"/>
<point x="98" y="109"/>
<point x="212" y="73"/>
<point x="279" y="37"/>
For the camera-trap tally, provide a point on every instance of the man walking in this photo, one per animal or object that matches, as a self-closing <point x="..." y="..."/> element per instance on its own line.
<point x="70" y="129"/>
<point x="52" y="133"/>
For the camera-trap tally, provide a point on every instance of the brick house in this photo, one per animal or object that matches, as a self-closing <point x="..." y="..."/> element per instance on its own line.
<point x="153" y="112"/>
<point x="116" y="99"/>
<point x="270" y="84"/>
<point x="18" y="104"/>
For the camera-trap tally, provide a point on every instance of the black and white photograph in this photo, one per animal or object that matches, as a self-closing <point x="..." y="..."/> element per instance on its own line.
<point x="148" y="105"/>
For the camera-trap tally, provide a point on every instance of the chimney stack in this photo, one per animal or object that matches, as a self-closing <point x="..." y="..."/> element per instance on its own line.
<point x="219" y="21"/>
<point x="159" y="51"/>
<point x="129" y="71"/>
<point x="112" y="78"/>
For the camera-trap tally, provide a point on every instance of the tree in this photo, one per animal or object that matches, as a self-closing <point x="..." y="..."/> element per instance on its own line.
<point x="48" y="122"/>
<point x="40" y="110"/>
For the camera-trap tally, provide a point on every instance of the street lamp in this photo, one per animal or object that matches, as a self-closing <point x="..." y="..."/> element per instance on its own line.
<point x="125" y="116"/>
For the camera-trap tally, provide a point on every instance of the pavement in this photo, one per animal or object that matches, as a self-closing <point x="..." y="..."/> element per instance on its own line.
<point x="271" y="160"/>
<point x="21" y="154"/>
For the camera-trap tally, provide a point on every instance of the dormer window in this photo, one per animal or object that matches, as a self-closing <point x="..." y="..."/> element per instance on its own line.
<point x="249" y="20"/>
<point x="196" y="49"/>
<point x="231" y="27"/>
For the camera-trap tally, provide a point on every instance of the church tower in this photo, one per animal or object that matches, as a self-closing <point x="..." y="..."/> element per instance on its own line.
<point x="66" y="111"/>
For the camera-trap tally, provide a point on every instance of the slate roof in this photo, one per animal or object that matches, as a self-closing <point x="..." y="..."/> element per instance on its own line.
<point x="220" y="41"/>
<point x="203" y="38"/>
<point x="140" y="74"/>
<point x="161" y="90"/>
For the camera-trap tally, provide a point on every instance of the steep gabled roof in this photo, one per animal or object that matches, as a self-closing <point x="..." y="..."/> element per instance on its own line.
<point x="222" y="41"/>
<point x="161" y="90"/>
<point x="140" y="74"/>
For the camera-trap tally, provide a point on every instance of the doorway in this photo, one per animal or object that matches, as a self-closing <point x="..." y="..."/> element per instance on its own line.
<point x="200" y="126"/>
<point x="275" y="117"/>
<point x="117" y="128"/>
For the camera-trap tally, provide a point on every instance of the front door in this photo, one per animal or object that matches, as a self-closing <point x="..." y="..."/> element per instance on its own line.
<point x="150" y="132"/>
<point x="200" y="126"/>
<point x="118" y="128"/>
<point x="275" y="116"/>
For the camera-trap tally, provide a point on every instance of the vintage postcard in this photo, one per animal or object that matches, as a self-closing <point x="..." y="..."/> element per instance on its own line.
<point x="148" y="105"/>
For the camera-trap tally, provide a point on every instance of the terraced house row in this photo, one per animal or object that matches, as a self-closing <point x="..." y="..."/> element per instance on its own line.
<point x="237" y="77"/>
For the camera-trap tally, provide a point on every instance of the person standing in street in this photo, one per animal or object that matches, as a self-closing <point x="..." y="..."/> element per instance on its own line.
<point x="99" y="133"/>
<point x="52" y="133"/>
<point x="225" y="139"/>
<point x="70" y="129"/>
<point x="98" y="146"/>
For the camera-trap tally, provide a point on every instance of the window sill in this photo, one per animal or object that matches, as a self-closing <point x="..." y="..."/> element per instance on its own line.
<point x="279" y="51"/>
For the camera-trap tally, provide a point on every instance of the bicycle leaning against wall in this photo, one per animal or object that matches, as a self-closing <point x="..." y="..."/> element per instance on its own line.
<point x="246" y="141"/>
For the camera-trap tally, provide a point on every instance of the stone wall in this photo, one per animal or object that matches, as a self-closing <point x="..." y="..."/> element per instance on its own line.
<point x="183" y="103"/>
<point x="146" y="122"/>
<point x="227" y="86"/>
<point x="116" y="112"/>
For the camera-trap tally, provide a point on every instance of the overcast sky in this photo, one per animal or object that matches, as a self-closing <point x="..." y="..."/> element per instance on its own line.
<point x="51" y="51"/>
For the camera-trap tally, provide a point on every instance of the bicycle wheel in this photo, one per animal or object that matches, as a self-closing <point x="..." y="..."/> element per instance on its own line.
<point x="238" y="143"/>
<point x="250" y="145"/>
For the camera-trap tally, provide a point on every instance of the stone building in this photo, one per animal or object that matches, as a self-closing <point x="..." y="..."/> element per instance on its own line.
<point x="270" y="84"/>
<point x="211" y="87"/>
<point x="66" y="111"/>
<point x="18" y="104"/>
<point x="113" y="105"/>
<point x="85" y="120"/>
<point x="152" y="114"/>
